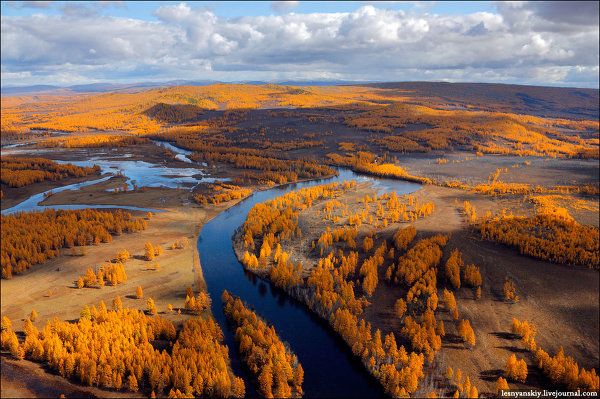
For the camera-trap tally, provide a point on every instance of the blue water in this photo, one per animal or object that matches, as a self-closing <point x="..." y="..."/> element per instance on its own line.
<point x="32" y="203"/>
<point x="330" y="369"/>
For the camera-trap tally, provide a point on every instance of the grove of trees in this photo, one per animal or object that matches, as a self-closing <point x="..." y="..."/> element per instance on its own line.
<point x="271" y="361"/>
<point x="19" y="172"/>
<point x="29" y="238"/>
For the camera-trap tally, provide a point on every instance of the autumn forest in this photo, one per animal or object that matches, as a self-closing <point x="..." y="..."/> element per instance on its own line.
<point x="262" y="240"/>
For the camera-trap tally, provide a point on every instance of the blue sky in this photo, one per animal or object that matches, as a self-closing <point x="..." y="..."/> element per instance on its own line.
<point x="231" y="9"/>
<point x="64" y="43"/>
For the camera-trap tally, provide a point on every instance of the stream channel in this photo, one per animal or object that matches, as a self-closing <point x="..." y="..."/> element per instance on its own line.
<point x="330" y="369"/>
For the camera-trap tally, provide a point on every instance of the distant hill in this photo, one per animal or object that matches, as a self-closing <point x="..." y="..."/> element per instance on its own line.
<point x="78" y="89"/>
<point x="544" y="101"/>
<point x="137" y="87"/>
<point x="174" y="113"/>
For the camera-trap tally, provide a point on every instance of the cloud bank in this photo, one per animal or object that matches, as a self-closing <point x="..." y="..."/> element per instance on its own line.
<point x="545" y="43"/>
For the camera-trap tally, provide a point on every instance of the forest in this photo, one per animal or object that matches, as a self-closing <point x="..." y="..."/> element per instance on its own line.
<point x="19" y="172"/>
<point x="114" y="349"/>
<point x="30" y="238"/>
<point x="552" y="236"/>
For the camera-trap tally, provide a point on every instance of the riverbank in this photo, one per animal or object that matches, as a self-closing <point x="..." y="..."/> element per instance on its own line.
<point x="558" y="291"/>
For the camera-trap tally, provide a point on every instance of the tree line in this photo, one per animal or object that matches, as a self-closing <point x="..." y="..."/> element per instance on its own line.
<point x="272" y="363"/>
<point x="114" y="349"/>
<point x="19" y="172"/>
<point x="29" y="238"/>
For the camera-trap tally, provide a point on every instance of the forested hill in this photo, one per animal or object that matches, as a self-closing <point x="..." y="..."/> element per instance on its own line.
<point x="543" y="101"/>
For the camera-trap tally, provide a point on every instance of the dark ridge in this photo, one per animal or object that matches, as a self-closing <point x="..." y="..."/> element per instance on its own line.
<point x="174" y="113"/>
<point x="553" y="102"/>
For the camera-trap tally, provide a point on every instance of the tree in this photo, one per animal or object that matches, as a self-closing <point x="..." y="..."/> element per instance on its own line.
<point x="458" y="376"/>
<point x="449" y="300"/>
<point x="117" y="304"/>
<point x="449" y="373"/>
<point x="158" y="250"/>
<point x="133" y="383"/>
<point x="100" y="278"/>
<point x="455" y="314"/>
<point x="85" y="313"/>
<point x="265" y="382"/>
<point x="466" y="385"/>
<point x="6" y="323"/>
<point x="473" y="393"/>
<point x="90" y="280"/>
<point x="122" y="256"/>
<point x="466" y="332"/>
<point x="440" y="329"/>
<point x="150" y="306"/>
<point x="80" y="283"/>
<point x="501" y="384"/>
<point x="298" y="378"/>
<point x="516" y="369"/>
<point x="138" y="292"/>
<point x="452" y="269"/>
<point x="148" y="251"/>
<point x="472" y="276"/>
<point x="33" y="316"/>
<point x="238" y="388"/>
<point x="400" y="308"/>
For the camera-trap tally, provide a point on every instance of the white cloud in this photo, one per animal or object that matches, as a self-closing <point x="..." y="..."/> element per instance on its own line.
<point x="370" y="43"/>
<point x="282" y="7"/>
<point x="44" y="5"/>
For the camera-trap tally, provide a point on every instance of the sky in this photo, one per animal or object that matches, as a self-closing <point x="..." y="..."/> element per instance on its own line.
<point x="69" y="43"/>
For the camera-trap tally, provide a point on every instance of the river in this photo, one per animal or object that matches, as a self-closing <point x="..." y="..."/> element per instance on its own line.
<point x="330" y="369"/>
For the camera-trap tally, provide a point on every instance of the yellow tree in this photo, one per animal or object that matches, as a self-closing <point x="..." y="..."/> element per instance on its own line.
<point x="90" y="279"/>
<point x="6" y="323"/>
<point x="501" y="384"/>
<point x="138" y="292"/>
<point x="150" y="306"/>
<point x="148" y="251"/>
<point x="85" y="313"/>
<point x="117" y="304"/>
